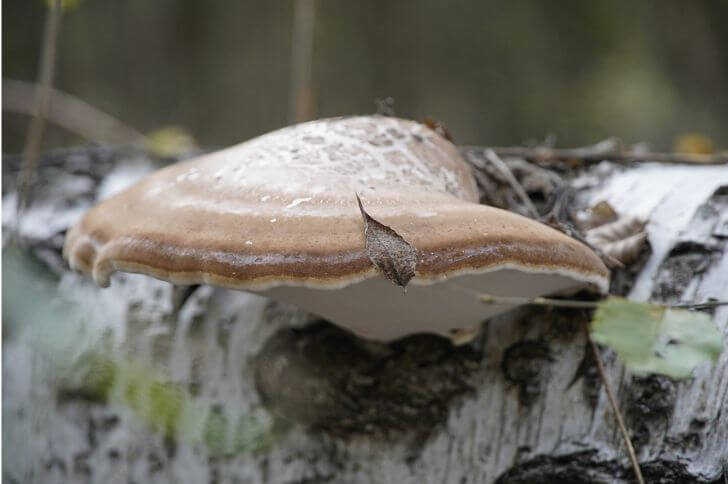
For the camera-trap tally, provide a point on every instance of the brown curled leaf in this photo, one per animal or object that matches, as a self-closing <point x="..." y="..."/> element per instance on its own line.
<point x="623" y="239"/>
<point x="393" y="256"/>
<point x="626" y="250"/>
<point x="618" y="230"/>
<point x="597" y="215"/>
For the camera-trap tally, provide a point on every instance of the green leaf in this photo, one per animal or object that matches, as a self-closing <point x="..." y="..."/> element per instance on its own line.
<point x="655" y="339"/>
<point x="59" y="331"/>
<point x="168" y="406"/>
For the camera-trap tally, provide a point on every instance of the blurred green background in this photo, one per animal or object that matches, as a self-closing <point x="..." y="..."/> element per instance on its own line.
<point x="495" y="72"/>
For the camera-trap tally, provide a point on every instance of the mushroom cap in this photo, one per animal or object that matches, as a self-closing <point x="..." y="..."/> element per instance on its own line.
<point x="278" y="214"/>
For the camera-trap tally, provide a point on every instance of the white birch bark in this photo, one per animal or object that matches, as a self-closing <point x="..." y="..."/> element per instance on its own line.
<point x="506" y="409"/>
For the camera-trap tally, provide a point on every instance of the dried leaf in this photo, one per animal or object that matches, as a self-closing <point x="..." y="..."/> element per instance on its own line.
<point x="438" y="127"/>
<point x="170" y="141"/>
<point x="623" y="239"/>
<point x="385" y="106"/>
<point x="614" y="231"/>
<point x="627" y="250"/>
<point x="598" y="214"/>
<point x="604" y="211"/>
<point x="393" y="256"/>
<point x="655" y="339"/>
<point x="694" y="144"/>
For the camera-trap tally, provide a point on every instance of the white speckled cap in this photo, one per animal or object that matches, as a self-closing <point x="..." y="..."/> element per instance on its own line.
<point x="279" y="214"/>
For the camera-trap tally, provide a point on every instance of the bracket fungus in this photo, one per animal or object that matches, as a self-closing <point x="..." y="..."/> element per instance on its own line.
<point x="278" y="215"/>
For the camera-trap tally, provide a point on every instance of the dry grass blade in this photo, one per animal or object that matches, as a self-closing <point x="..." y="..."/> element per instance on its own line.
<point x="42" y="103"/>
<point x="302" y="95"/>
<point x="575" y="303"/>
<point x="617" y="413"/>
<point x="491" y="156"/>
<point x="70" y="113"/>
<point x="572" y="232"/>
<point x="537" y="301"/>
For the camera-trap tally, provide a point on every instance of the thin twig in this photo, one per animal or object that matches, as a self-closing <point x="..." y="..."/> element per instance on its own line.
<point x="491" y="156"/>
<point x="572" y="232"/>
<point x="537" y="301"/>
<point x="70" y="113"/>
<point x="617" y="413"/>
<point x="301" y="106"/>
<point x="575" y="303"/>
<point x="42" y="103"/>
<point x="703" y="305"/>
<point x="587" y="155"/>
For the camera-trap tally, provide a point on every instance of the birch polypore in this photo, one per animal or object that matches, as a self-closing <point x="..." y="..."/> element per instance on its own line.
<point x="278" y="215"/>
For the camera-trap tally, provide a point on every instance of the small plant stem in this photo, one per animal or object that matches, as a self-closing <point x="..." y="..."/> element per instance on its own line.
<point x="617" y="413"/>
<point x="42" y="104"/>
<point x="538" y="301"/>
<point x="302" y="95"/>
<point x="573" y="303"/>
<point x="704" y="305"/>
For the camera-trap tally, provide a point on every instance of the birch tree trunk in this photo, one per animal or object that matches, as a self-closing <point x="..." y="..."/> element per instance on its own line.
<point x="523" y="403"/>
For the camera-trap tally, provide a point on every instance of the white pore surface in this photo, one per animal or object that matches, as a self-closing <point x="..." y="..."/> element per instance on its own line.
<point x="377" y="309"/>
<point x="658" y="193"/>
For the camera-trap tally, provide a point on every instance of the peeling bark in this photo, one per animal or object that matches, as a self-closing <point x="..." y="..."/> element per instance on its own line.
<point x="522" y="403"/>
